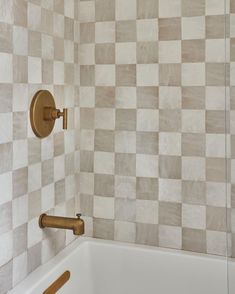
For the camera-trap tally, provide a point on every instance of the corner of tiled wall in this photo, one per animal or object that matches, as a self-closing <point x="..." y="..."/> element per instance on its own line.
<point x="152" y="98"/>
<point x="38" y="50"/>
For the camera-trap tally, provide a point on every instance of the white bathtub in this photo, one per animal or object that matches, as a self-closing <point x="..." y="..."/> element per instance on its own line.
<point x="104" y="267"/>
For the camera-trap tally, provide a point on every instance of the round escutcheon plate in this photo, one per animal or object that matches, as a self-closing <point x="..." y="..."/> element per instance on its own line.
<point x="41" y="127"/>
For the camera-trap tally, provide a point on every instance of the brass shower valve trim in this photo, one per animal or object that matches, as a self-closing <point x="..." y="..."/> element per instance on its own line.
<point x="43" y="113"/>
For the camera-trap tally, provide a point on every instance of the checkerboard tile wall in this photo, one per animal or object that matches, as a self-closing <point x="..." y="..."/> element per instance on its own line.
<point x="153" y="167"/>
<point x="38" y="49"/>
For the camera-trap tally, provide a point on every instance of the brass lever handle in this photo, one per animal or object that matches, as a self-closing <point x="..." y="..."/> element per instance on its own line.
<point x="53" y="114"/>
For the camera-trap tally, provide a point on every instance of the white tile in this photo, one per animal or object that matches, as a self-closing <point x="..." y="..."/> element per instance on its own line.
<point x="170" y="98"/>
<point x="147" y="120"/>
<point x="19" y="268"/>
<point x="126" y="97"/>
<point x="193" y="168"/>
<point x="125" y="142"/>
<point x="194" y="216"/>
<point x="34" y="232"/>
<point x="125" y="10"/>
<point x="105" y="118"/>
<point x="147" y="75"/>
<point x="6" y="127"/>
<point x="169" y="51"/>
<point x="34" y="177"/>
<point x="20" y="211"/>
<point x="170" y="143"/>
<point x="170" y="236"/>
<point x="105" y="75"/>
<point x="193" y="121"/>
<point x="215" y="145"/>
<point x="105" y="32"/>
<point x="216" y="242"/>
<point x="104" y="207"/>
<point x="170" y="190"/>
<point x="48" y="197"/>
<point x="125" y="53"/>
<point x="6" y="68"/>
<point x="6" y="187"/>
<point x="34" y="70"/>
<point x="124" y="231"/>
<point x="20" y="40"/>
<point x="6" y="241"/>
<point x="20" y="97"/>
<point x="216" y="194"/>
<point x="6" y="11"/>
<point x="58" y="72"/>
<point x="216" y="7"/>
<point x="193" y="74"/>
<point x="147" y="211"/>
<point x="147" y="30"/>
<point x="125" y="187"/>
<point x="59" y="168"/>
<point x="104" y="163"/>
<point x="169" y="8"/>
<point x="193" y="27"/>
<point x="146" y="166"/>
<point x="20" y="154"/>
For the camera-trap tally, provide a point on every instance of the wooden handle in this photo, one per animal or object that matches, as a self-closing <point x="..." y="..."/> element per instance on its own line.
<point x="57" y="284"/>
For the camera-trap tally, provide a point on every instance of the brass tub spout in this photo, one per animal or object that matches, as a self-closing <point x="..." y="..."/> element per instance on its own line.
<point x="75" y="224"/>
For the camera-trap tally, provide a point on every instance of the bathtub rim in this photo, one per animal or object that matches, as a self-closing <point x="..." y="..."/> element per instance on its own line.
<point x="35" y="277"/>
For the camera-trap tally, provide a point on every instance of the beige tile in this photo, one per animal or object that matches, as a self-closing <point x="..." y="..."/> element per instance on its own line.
<point x="147" y="143"/>
<point x="104" y="185"/>
<point x="126" y="31"/>
<point x="215" y="122"/>
<point x="194" y="240"/>
<point x="87" y="76"/>
<point x="103" y="229"/>
<point x="147" y="97"/>
<point x="216" y="170"/>
<point x="147" y="9"/>
<point x="215" y="74"/>
<point x="216" y="218"/>
<point x="105" y="97"/>
<point x="147" y="188"/>
<point x="193" y="51"/>
<point x="169" y="29"/>
<point x="126" y="75"/>
<point x="104" y="140"/>
<point x="170" y="167"/>
<point x="125" y="164"/>
<point x="169" y="213"/>
<point x="194" y="192"/>
<point x="126" y="119"/>
<point x="105" y="10"/>
<point x="6" y="38"/>
<point x="193" y="144"/>
<point x="147" y="234"/>
<point x="105" y="53"/>
<point x="193" y="97"/>
<point x="87" y="31"/>
<point x="147" y="52"/>
<point x="170" y="74"/>
<point x="20" y="13"/>
<point x="169" y="120"/>
<point x="193" y="8"/>
<point x="215" y="27"/>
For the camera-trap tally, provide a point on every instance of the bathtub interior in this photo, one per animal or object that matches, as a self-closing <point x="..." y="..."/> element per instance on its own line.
<point x="103" y="267"/>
